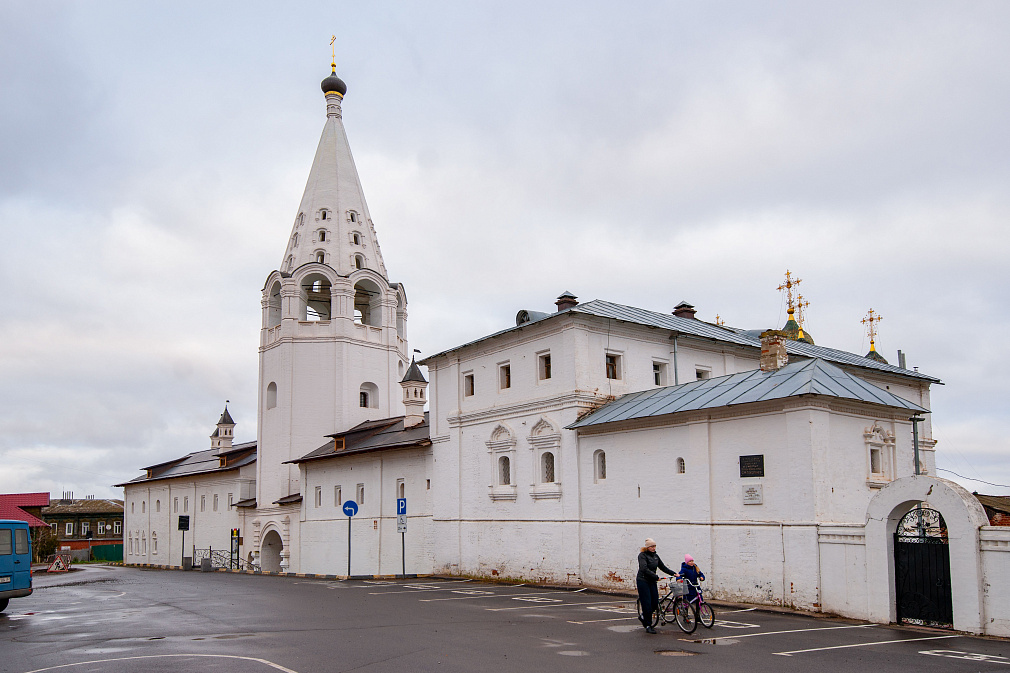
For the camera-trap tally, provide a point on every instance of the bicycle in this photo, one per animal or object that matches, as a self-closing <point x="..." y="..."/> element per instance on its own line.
<point x="658" y="610"/>
<point x="674" y="608"/>
<point x="704" y="612"/>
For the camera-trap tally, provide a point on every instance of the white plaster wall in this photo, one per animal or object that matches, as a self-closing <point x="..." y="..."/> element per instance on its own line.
<point x="995" y="552"/>
<point x="375" y="544"/>
<point x="207" y="528"/>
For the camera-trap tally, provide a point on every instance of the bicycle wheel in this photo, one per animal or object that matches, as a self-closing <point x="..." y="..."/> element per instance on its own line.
<point x="706" y="615"/>
<point x="687" y="618"/>
<point x="666" y="610"/>
<point x="641" y="616"/>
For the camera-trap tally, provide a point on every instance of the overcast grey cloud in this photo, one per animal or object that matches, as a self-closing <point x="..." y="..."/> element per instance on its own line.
<point x="152" y="157"/>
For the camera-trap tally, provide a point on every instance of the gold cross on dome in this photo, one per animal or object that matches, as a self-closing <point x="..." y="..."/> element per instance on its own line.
<point x="871" y="321"/>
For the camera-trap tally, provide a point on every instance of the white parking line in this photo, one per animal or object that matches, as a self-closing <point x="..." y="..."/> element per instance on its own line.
<point x="160" y="656"/>
<point x="552" y="605"/>
<point x="776" y="633"/>
<point x="467" y="598"/>
<point x="594" y="621"/>
<point x="727" y="612"/>
<point x="879" y="642"/>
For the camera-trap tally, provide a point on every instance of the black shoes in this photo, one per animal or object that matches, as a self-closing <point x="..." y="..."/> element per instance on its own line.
<point x="649" y="629"/>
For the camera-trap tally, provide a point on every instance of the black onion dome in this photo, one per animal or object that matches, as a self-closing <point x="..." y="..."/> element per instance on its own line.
<point x="333" y="83"/>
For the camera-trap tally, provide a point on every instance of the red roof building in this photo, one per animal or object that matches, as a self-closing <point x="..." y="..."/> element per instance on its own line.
<point x="24" y="507"/>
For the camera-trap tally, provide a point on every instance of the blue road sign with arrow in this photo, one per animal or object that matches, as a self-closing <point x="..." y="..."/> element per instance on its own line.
<point x="350" y="508"/>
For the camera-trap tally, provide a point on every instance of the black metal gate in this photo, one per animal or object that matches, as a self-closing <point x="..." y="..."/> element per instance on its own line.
<point x="922" y="569"/>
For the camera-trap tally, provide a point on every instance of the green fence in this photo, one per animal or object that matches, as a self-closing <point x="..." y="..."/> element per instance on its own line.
<point x="107" y="552"/>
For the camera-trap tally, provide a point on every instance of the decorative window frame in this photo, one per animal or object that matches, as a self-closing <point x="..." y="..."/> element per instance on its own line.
<point x="599" y="465"/>
<point x="545" y="365"/>
<point x="877" y="438"/>
<point x="545" y="438"/>
<point x="502" y="443"/>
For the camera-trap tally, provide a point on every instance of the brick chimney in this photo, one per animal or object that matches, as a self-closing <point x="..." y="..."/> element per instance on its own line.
<point x="773" y="350"/>
<point x="684" y="310"/>
<point x="566" y="301"/>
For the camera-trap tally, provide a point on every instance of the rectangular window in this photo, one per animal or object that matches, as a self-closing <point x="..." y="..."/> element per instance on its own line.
<point x="702" y="373"/>
<point x="215" y="502"/>
<point x="21" y="541"/>
<point x="185" y="504"/>
<point x="175" y="506"/>
<point x="337" y="502"/>
<point x="319" y="496"/>
<point x="504" y="377"/>
<point x="363" y="399"/>
<point x="875" y="461"/>
<point x="231" y="500"/>
<point x="427" y="484"/>
<point x="101" y="528"/>
<point x="69" y="529"/>
<point x="468" y="385"/>
<point x="53" y="526"/>
<point x="544" y="367"/>
<point x="361" y="494"/>
<point x="659" y="373"/>
<point x="85" y="528"/>
<point x="203" y="503"/>
<point x="117" y="527"/>
<point x="613" y="366"/>
<point x="6" y="542"/>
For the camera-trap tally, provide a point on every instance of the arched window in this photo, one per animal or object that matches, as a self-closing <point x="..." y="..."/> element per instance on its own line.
<point x="271" y="395"/>
<point x="322" y="215"/>
<point x="154" y="542"/>
<point x="547" y="468"/>
<point x="504" y="471"/>
<point x="321" y="257"/>
<point x="600" y="465"/>
<point x="400" y="490"/>
<point x="130" y="538"/>
<point x="322" y="235"/>
<point x="274" y="306"/>
<point x="316" y="298"/>
<point x="368" y="396"/>
<point x="356" y="238"/>
<point x="157" y="505"/>
<point x="294" y="240"/>
<point x="367" y="303"/>
<point x="143" y="506"/>
<point x="290" y="262"/>
<point x="681" y="466"/>
<point x="354" y="216"/>
<point x="359" y="262"/>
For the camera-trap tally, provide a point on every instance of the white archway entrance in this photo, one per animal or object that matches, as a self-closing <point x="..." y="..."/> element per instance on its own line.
<point x="270" y="552"/>
<point x="963" y="515"/>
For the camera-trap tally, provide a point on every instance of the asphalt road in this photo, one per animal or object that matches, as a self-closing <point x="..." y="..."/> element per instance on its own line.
<point x="130" y="621"/>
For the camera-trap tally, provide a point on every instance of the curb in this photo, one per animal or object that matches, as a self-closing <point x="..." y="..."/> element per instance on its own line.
<point x="316" y="576"/>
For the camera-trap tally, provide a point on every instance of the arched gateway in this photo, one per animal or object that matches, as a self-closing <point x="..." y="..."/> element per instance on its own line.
<point x="270" y="552"/>
<point x="953" y="531"/>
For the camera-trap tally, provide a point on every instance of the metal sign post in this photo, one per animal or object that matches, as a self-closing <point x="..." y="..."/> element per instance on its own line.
<point x="233" y="561"/>
<point x="401" y="528"/>
<point x="183" y="526"/>
<point x="350" y="509"/>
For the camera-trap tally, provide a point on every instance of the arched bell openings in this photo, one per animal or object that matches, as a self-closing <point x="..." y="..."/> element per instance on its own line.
<point x="401" y="315"/>
<point x="271" y="395"/>
<point x="367" y="303"/>
<point x="315" y="299"/>
<point x="274" y="306"/>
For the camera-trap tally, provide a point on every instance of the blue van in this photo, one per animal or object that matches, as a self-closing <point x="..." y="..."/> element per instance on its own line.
<point x="15" y="561"/>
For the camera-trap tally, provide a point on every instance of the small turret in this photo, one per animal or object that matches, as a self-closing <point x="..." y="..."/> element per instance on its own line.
<point x="414" y="386"/>
<point x="223" y="435"/>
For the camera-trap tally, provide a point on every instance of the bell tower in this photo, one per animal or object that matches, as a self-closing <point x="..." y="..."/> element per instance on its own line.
<point x="333" y="342"/>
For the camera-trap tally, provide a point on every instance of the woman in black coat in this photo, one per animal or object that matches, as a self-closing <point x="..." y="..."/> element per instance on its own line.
<point x="648" y="592"/>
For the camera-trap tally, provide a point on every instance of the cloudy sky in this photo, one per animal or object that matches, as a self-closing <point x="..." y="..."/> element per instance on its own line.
<point x="153" y="155"/>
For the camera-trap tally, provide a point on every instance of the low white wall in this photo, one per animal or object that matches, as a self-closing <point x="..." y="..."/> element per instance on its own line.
<point x="994" y="542"/>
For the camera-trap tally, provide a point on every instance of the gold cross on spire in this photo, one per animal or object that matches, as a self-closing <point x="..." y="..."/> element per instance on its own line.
<point x="801" y="304"/>
<point x="333" y="52"/>
<point x="788" y="286"/>
<point x="871" y="321"/>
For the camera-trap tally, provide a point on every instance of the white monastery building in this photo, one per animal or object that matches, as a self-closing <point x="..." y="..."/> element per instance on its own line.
<point x="553" y="447"/>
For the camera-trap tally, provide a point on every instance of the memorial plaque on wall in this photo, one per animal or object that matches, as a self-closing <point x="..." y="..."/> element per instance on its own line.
<point x="753" y="494"/>
<point x="752" y="466"/>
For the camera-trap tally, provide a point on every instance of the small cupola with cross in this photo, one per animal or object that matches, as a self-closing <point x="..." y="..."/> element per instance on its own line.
<point x="223" y="435"/>
<point x="414" y="398"/>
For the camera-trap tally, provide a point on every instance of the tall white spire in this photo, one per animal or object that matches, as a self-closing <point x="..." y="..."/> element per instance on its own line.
<point x="333" y="224"/>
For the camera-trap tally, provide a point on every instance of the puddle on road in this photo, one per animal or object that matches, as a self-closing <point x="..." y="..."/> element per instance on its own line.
<point x="625" y="628"/>
<point x="574" y="653"/>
